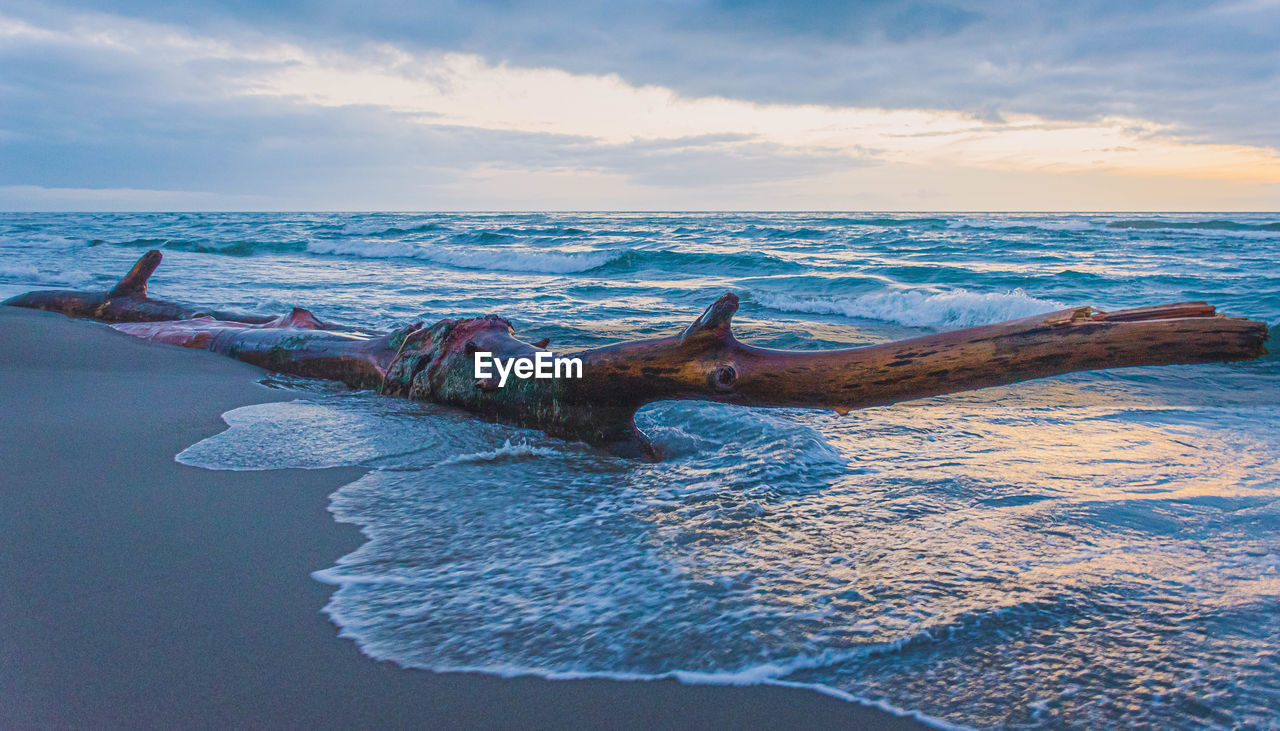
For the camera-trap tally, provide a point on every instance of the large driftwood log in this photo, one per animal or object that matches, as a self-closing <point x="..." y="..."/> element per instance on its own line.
<point x="437" y="363"/>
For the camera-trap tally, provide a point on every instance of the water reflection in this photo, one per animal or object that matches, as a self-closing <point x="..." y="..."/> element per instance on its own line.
<point x="1092" y="547"/>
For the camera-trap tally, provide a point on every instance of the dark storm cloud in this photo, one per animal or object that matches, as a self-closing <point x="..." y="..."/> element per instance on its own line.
<point x="1212" y="69"/>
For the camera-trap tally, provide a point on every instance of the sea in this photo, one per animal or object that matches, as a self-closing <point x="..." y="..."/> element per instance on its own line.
<point x="1092" y="550"/>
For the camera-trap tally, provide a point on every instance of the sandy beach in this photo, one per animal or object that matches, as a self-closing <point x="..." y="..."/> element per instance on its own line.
<point x="139" y="592"/>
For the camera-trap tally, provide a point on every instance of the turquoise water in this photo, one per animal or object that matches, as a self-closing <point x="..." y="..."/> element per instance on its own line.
<point x="1089" y="550"/>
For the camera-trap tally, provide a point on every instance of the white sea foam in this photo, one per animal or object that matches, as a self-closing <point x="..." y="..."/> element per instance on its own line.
<point x="300" y="435"/>
<point x="763" y="675"/>
<point x="991" y="223"/>
<point x="1064" y="225"/>
<point x="955" y="308"/>
<point x="18" y="271"/>
<point x="29" y="274"/>
<point x="506" y="451"/>
<point x="776" y="541"/>
<point x="38" y="240"/>
<point x="494" y="258"/>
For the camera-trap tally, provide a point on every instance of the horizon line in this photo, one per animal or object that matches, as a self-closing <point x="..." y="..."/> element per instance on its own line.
<point x="527" y="211"/>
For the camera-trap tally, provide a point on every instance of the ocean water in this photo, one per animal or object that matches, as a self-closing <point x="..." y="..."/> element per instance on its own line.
<point x="1091" y="550"/>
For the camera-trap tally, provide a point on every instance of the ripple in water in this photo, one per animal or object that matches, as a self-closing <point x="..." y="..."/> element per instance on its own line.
<point x="1083" y="550"/>
<point x="1091" y="550"/>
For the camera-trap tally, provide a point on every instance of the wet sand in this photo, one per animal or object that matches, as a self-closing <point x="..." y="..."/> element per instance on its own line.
<point x="136" y="591"/>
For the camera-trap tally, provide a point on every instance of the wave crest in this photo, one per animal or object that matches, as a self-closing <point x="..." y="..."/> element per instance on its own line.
<point x="498" y="259"/>
<point x="507" y="451"/>
<point x="29" y="274"/>
<point x="376" y="228"/>
<point x="1019" y="224"/>
<point x="955" y="308"/>
<point x="1216" y="226"/>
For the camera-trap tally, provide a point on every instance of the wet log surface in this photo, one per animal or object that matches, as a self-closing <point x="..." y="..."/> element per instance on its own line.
<point x="437" y="362"/>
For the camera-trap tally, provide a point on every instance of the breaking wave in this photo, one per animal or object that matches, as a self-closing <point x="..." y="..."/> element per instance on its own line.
<point x="507" y="451"/>
<point x="956" y="308"/>
<point x="29" y="274"/>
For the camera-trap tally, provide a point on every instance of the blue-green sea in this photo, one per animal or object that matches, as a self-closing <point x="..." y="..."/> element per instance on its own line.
<point x="1092" y="550"/>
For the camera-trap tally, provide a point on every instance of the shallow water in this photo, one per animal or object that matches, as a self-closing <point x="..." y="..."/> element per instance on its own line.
<point x="1093" y="549"/>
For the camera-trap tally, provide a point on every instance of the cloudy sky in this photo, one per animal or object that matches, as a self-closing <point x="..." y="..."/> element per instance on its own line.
<point x="672" y="105"/>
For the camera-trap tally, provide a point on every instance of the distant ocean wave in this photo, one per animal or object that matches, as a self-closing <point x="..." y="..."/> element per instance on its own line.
<point x="956" y="308"/>
<point x="494" y="258"/>
<point x="382" y="229"/>
<point x="39" y="240"/>
<point x="1226" y="227"/>
<point x="386" y="229"/>
<point x="553" y="231"/>
<point x="831" y="226"/>
<point x="238" y="247"/>
<point x="887" y="222"/>
<point x="554" y="261"/>
<point x="31" y="275"/>
<point x="1215" y="226"/>
<point x="1020" y="224"/>
<point x="772" y="232"/>
<point x="750" y="262"/>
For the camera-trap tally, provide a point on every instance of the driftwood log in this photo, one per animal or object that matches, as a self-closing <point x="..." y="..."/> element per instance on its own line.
<point x="705" y="361"/>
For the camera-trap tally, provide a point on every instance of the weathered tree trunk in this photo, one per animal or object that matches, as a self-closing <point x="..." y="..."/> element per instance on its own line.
<point x="437" y="363"/>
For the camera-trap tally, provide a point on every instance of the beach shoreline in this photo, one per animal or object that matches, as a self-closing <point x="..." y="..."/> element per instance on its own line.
<point x="143" y="592"/>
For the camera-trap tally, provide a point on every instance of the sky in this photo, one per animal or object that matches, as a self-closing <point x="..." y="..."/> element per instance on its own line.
<point x="1004" y="105"/>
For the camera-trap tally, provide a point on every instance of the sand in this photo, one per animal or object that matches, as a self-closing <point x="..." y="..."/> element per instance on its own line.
<point x="135" y="591"/>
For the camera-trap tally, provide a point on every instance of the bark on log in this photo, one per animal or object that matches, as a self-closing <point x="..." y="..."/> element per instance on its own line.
<point x="705" y="361"/>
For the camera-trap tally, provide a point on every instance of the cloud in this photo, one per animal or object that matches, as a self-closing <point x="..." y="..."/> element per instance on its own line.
<point x="39" y="198"/>
<point x="1208" y="70"/>
<point x="317" y="117"/>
